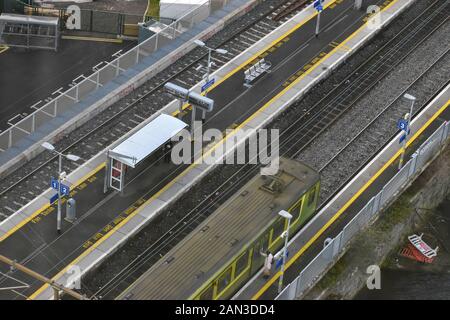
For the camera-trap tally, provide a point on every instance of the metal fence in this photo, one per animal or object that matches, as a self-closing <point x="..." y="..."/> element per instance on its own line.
<point x="104" y="73"/>
<point x="335" y="248"/>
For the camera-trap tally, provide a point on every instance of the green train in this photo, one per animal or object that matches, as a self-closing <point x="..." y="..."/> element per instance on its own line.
<point x="221" y="254"/>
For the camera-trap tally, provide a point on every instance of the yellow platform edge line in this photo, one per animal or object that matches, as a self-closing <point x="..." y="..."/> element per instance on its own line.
<point x="96" y="39"/>
<point x="350" y="202"/>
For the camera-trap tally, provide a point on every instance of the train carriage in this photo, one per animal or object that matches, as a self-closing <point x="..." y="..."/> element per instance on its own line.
<point x="222" y="253"/>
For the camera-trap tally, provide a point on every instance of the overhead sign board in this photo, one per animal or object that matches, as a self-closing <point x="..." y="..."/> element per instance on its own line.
<point x="201" y="102"/>
<point x="177" y="91"/>
<point x="193" y="98"/>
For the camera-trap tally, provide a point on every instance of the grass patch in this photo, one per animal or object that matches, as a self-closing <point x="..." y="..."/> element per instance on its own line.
<point x="332" y="275"/>
<point x="395" y="214"/>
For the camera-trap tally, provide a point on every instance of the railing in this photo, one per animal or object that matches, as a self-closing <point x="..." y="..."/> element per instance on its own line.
<point x="334" y="249"/>
<point x="82" y="86"/>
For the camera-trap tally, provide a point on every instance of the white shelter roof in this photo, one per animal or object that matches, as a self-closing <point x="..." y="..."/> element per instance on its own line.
<point x="147" y="140"/>
<point x="26" y="19"/>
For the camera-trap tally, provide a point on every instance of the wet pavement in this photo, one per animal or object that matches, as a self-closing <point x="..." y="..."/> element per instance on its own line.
<point x="29" y="76"/>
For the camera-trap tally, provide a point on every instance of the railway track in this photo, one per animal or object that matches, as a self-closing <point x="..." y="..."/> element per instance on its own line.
<point x="303" y="131"/>
<point x="31" y="180"/>
<point x="370" y="139"/>
<point x="288" y="9"/>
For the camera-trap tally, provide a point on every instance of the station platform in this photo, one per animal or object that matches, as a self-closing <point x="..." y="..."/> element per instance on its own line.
<point x="299" y="60"/>
<point x="331" y="219"/>
<point x="29" y="77"/>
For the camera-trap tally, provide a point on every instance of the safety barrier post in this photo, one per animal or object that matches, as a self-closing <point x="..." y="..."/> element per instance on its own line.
<point x="117" y="66"/>
<point x="55" y="110"/>
<point x="98" y="79"/>
<point x="412" y="168"/>
<point x="137" y="54"/>
<point x="10" y="137"/>
<point x="33" y="122"/>
<point x="446" y="133"/>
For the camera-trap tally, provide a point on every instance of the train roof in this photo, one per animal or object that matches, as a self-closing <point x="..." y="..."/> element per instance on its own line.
<point x="236" y="223"/>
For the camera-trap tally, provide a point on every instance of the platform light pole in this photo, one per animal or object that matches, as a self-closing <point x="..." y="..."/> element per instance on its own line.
<point x="61" y="176"/>
<point x="208" y="68"/>
<point x="285" y="234"/>
<point x="408" y="118"/>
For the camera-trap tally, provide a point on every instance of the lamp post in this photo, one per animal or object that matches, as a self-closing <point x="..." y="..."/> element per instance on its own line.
<point x="408" y="118"/>
<point x="208" y="67"/>
<point x="61" y="176"/>
<point x="285" y="234"/>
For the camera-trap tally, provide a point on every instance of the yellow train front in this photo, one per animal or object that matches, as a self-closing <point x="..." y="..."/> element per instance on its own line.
<point x="222" y="253"/>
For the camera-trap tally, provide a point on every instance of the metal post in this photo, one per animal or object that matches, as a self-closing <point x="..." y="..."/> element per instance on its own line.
<point x="180" y="108"/>
<point x="118" y="66"/>
<point x="56" y="294"/>
<point x="107" y="173"/>
<point x="193" y="121"/>
<point x="137" y="54"/>
<point x="77" y="92"/>
<point x="286" y="237"/>
<point x="208" y="72"/>
<point x="402" y="155"/>
<point x="58" y="217"/>
<point x="318" y="24"/>
<point x="10" y="137"/>
<point x="358" y="4"/>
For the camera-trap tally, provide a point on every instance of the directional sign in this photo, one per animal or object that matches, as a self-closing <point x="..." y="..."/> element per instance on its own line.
<point x="280" y="261"/>
<point x="402" y="138"/>
<point x="318" y="5"/>
<point x="193" y="98"/>
<point x="54" y="183"/>
<point x="65" y="190"/>
<point x="208" y="84"/>
<point x="402" y="124"/>
<point x="54" y="198"/>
